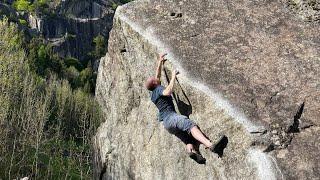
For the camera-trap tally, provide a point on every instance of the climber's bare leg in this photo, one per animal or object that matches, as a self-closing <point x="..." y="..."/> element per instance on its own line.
<point x="190" y="148"/>
<point x="203" y="133"/>
<point x="198" y="135"/>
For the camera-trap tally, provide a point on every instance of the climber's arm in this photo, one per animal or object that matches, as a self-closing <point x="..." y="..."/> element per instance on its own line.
<point x="161" y="60"/>
<point x="169" y="89"/>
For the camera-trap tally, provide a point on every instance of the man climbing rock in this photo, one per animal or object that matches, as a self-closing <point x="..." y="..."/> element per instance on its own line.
<point x="179" y="125"/>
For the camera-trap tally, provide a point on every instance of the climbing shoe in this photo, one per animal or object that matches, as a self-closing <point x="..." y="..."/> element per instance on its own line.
<point x="197" y="157"/>
<point x="219" y="146"/>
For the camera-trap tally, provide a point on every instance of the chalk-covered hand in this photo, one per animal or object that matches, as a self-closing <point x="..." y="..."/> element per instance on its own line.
<point x="176" y="71"/>
<point x="162" y="57"/>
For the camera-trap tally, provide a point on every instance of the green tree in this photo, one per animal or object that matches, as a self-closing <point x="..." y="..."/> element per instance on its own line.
<point x="22" y="5"/>
<point x="69" y="61"/>
<point x="100" y="46"/>
<point x="42" y="60"/>
<point x="46" y="126"/>
<point x="87" y="80"/>
<point x="72" y="74"/>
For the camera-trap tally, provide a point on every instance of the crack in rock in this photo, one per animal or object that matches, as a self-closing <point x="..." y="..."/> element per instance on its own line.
<point x="294" y="128"/>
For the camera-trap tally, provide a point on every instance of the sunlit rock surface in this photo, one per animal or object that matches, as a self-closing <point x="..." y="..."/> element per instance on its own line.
<point x="249" y="69"/>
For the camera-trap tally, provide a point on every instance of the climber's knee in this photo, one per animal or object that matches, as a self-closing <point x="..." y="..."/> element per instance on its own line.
<point x="194" y="127"/>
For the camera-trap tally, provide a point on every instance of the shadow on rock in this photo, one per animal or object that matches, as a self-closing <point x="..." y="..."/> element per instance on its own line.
<point x="183" y="103"/>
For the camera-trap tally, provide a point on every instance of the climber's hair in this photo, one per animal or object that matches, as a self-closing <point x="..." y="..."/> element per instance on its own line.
<point x="151" y="83"/>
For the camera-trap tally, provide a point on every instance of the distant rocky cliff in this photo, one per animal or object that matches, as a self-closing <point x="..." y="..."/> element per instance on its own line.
<point x="249" y="69"/>
<point x="73" y="25"/>
<point x="70" y="26"/>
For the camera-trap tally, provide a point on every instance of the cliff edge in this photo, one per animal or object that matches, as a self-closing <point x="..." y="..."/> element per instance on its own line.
<point x="249" y="70"/>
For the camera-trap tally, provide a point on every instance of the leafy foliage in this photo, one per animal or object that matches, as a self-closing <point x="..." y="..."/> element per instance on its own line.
<point x="43" y="61"/>
<point x="31" y="6"/>
<point x="100" y="46"/>
<point x="23" y="22"/>
<point x="46" y="125"/>
<point x="22" y="5"/>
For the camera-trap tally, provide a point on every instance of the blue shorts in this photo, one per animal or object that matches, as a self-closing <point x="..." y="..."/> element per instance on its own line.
<point x="180" y="126"/>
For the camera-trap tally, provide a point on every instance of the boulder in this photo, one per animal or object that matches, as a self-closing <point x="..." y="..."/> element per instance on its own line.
<point x="249" y="70"/>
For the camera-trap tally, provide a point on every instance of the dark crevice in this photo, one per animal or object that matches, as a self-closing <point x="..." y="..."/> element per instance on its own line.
<point x="294" y="128"/>
<point x="299" y="113"/>
<point x="306" y="127"/>
<point x="194" y="35"/>
<point x="103" y="171"/>
<point x="259" y="132"/>
<point x="176" y="15"/>
<point x="270" y="148"/>
<point x="124" y="37"/>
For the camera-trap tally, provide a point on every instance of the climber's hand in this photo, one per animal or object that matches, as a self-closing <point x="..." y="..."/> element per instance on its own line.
<point x="174" y="73"/>
<point x="161" y="57"/>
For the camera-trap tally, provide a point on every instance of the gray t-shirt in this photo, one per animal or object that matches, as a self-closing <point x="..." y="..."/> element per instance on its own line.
<point x="163" y="103"/>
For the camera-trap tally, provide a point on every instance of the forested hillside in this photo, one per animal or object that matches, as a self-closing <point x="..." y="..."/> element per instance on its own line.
<point x="47" y="114"/>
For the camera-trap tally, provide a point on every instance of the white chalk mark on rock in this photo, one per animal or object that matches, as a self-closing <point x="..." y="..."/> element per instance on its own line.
<point x="265" y="164"/>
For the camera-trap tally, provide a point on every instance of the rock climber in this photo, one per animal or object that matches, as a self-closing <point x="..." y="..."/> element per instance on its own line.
<point x="179" y="125"/>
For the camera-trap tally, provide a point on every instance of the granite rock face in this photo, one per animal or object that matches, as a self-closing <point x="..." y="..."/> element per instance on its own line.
<point x="249" y="69"/>
<point x="309" y="10"/>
